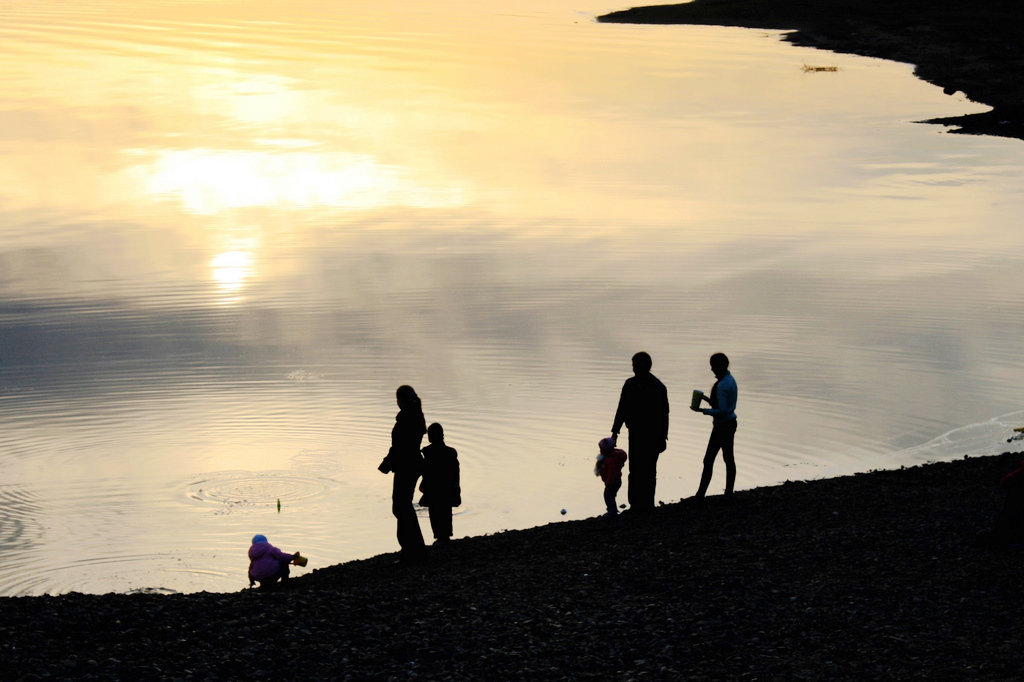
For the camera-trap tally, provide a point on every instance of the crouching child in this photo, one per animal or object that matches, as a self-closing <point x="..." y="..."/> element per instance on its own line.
<point x="268" y="564"/>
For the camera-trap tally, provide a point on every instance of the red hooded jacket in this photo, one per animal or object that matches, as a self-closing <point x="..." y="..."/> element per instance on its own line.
<point x="611" y="465"/>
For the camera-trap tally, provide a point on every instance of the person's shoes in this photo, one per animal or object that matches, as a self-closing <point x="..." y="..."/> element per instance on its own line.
<point x="637" y="512"/>
<point x="417" y="559"/>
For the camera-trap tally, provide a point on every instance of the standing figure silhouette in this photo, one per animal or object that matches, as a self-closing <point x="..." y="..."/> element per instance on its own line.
<point x="723" y="431"/>
<point x="405" y="460"/>
<point x="441" y="488"/>
<point x="643" y="408"/>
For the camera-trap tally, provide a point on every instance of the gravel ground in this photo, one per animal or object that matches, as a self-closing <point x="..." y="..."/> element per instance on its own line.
<point x="873" y="576"/>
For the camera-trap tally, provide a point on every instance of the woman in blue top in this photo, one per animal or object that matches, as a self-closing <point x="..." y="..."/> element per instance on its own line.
<point x="723" y="431"/>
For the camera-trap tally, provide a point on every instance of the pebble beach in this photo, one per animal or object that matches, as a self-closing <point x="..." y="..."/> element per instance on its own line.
<point x="873" y="576"/>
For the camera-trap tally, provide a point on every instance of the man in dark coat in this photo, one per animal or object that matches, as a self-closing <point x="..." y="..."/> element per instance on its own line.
<point x="643" y="408"/>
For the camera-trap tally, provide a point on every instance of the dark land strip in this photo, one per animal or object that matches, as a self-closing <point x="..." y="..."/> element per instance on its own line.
<point x="867" y="577"/>
<point x="972" y="47"/>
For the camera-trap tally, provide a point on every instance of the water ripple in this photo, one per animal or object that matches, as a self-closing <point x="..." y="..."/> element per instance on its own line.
<point x="234" y="491"/>
<point x="19" y="511"/>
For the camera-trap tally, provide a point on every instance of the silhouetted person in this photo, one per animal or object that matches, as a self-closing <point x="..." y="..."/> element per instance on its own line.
<point x="723" y="431"/>
<point x="643" y="408"/>
<point x="609" y="467"/>
<point x="440" y="485"/>
<point x="405" y="461"/>
<point x="268" y="564"/>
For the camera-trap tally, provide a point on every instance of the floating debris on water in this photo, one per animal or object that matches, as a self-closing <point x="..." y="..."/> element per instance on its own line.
<point x="814" y="69"/>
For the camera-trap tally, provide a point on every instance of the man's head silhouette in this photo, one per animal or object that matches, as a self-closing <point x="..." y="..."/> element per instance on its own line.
<point x="641" y="363"/>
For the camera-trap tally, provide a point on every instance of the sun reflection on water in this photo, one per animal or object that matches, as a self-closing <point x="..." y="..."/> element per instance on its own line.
<point x="231" y="269"/>
<point x="209" y="181"/>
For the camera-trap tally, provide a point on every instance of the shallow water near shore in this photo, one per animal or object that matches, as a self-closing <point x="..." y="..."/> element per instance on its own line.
<point x="231" y="231"/>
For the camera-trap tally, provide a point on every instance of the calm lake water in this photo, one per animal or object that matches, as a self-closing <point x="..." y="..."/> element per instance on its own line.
<point x="230" y="230"/>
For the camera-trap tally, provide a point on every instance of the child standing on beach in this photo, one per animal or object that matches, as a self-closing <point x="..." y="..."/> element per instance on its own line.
<point x="440" y="486"/>
<point x="609" y="468"/>
<point x="268" y="564"/>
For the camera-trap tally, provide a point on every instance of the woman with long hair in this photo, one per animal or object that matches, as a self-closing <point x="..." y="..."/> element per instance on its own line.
<point x="405" y="460"/>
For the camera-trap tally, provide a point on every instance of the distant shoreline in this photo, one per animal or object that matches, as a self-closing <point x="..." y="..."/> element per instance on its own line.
<point x="975" y="48"/>
<point x="865" y="577"/>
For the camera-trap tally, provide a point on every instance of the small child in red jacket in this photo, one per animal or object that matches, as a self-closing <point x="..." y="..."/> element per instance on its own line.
<point x="609" y="468"/>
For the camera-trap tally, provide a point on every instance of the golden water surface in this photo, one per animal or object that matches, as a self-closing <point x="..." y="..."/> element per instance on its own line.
<point x="228" y="231"/>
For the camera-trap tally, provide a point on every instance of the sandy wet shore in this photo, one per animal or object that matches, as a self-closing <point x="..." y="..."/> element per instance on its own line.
<point x="976" y="48"/>
<point x="873" y="576"/>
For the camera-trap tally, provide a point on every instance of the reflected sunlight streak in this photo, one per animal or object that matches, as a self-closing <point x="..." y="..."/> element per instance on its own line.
<point x="230" y="269"/>
<point x="208" y="181"/>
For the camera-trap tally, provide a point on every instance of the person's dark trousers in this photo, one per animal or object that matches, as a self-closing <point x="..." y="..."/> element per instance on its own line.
<point x="643" y="477"/>
<point x="440" y="522"/>
<point x="409" y="535"/>
<point x="722" y="436"/>
<point x="611" y="489"/>
<point x="282" y="575"/>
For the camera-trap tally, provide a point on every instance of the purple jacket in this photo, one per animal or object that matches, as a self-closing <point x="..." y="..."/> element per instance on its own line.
<point x="265" y="560"/>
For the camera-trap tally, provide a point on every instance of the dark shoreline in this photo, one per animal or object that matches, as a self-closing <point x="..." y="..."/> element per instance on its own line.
<point x="976" y="48"/>
<point x="873" y="576"/>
